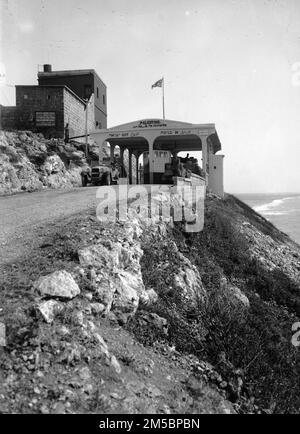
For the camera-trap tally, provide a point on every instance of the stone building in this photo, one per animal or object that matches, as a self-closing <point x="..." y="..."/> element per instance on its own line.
<point x="83" y="83"/>
<point x="56" y="102"/>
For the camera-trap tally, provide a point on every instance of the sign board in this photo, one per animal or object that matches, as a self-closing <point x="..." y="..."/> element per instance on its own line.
<point x="150" y="123"/>
<point x="45" y="119"/>
<point x="140" y="133"/>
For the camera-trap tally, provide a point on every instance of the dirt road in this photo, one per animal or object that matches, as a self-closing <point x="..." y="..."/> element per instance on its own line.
<point x="24" y="218"/>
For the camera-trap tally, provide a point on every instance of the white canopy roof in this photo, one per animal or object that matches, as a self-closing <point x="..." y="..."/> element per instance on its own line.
<point x="162" y="133"/>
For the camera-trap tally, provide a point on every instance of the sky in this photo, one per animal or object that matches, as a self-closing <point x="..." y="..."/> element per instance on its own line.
<point x="235" y="63"/>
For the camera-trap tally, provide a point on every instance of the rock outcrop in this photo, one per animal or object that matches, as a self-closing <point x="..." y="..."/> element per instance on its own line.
<point x="59" y="284"/>
<point x="115" y="274"/>
<point x="29" y="162"/>
<point x="152" y="320"/>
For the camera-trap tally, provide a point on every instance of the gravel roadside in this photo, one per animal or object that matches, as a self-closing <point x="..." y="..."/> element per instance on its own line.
<point x="26" y="218"/>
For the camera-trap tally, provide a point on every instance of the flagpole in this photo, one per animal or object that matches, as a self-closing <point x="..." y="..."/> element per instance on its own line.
<point x="163" y="97"/>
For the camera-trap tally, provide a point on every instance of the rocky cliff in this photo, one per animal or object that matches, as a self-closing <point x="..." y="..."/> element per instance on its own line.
<point x="29" y="162"/>
<point x="141" y="317"/>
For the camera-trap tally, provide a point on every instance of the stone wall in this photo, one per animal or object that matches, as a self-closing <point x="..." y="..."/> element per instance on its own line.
<point x="47" y="109"/>
<point x="74" y="115"/>
<point x="8" y="117"/>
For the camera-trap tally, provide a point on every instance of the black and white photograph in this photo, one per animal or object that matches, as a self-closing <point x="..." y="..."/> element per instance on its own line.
<point x="149" y="211"/>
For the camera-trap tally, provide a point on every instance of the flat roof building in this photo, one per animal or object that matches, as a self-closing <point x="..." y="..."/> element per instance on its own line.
<point x="156" y="137"/>
<point x="84" y="83"/>
<point x="57" y="102"/>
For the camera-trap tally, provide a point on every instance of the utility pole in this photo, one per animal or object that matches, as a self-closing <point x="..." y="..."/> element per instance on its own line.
<point x="86" y="126"/>
<point x="163" y="97"/>
<point x="86" y="129"/>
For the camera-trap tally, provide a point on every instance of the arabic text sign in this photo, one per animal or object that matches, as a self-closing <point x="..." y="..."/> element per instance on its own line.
<point x="45" y="119"/>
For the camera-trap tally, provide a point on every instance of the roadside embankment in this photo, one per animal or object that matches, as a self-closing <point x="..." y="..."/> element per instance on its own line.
<point x="141" y="317"/>
<point x="29" y="162"/>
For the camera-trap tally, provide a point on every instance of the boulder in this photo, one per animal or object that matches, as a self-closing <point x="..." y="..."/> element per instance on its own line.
<point x="148" y="297"/>
<point x="129" y="256"/>
<point x="99" y="257"/>
<point x="49" y="309"/>
<point x="126" y="299"/>
<point x="97" y="308"/>
<point x="53" y="164"/>
<point x="58" y="284"/>
<point x="104" y="292"/>
<point x="156" y="321"/>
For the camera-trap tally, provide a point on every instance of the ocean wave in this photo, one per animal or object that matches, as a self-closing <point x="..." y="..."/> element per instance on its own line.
<point x="268" y="208"/>
<point x="270" y="213"/>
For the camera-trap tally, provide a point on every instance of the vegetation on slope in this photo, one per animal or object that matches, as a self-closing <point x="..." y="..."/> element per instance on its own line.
<point x="215" y="352"/>
<point x="253" y="343"/>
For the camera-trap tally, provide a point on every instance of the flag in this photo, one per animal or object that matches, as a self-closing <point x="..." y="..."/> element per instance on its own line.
<point x="159" y="83"/>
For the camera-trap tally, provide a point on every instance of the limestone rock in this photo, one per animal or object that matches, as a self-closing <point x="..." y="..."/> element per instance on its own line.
<point x="104" y="292"/>
<point x="53" y="164"/>
<point x="101" y="344"/>
<point x="29" y="162"/>
<point x="237" y="295"/>
<point x="115" y="364"/>
<point x="126" y="297"/>
<point x="233" y="293"/>
<point x="97" y="308"/>
<point x="98" y="256"/>
<point x="148" y="297"/>
<point x="156" y="321"/>
<point x="110" y="359"/>
<point x="57" y="284"/>
<point x="133" y="229"/>
<point x="2" y="335"/>
<point x="117" y="279"/>
<point x="188" y="280"/>
<point x="49" y="309"/>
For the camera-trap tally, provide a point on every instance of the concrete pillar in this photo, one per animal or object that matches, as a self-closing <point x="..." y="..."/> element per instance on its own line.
<point x="137" y="156"/>
<point x="112" y="152"/>
<point x="122" y="155"/>
<point x="215" y="181"/>
<point x="151" y="161"/>
<point x="205" y="156"/>
<point x="102" y="144"/>
<point x="122" y="160"/>
<point x="130" y="166"/>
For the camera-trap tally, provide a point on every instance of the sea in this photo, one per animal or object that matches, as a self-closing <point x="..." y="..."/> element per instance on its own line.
<point x="283" y="210"/>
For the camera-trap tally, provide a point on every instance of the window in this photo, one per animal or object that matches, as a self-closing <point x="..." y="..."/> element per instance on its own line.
<point x="104" y="99"/>
<point x="48" y="96"/>
<point x="25" y="96"/>
<point x="97" y="92"/>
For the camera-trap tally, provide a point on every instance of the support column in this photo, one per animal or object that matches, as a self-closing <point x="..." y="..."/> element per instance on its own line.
<point x="102" y="144"/>
<point x="112" y="152"/>
<point x="122" y="155"/>
<point x="137" y="156"/>
<point x="130" y="166"/>
<point x="205" y="157"/>
<point x="151" y="161"/>
<point x="122" y="160"/>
